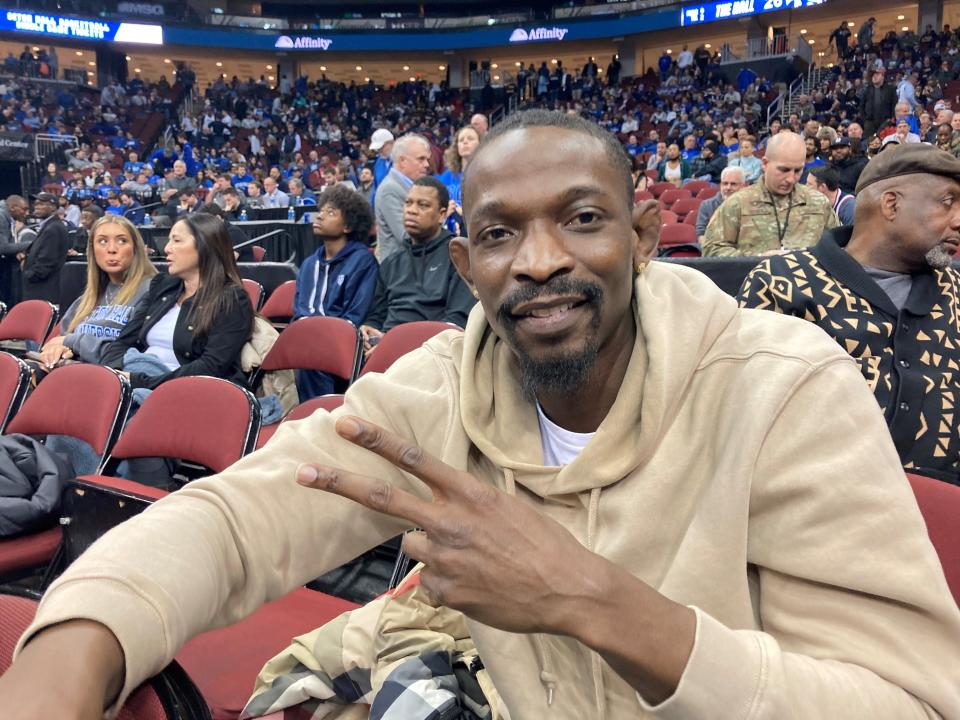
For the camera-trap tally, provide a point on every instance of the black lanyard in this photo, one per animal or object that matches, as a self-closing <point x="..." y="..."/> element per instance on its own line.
<point x="782" y="231"/>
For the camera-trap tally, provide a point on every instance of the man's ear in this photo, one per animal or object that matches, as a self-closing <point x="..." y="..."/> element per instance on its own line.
<point x="460" y="256"/>
<point x="646" y="231"/>
<point x="890" y="204"/>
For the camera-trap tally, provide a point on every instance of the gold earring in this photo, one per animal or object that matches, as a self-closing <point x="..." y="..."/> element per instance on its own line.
<point x="639" y="268"/>
<point x="476" y="294"/>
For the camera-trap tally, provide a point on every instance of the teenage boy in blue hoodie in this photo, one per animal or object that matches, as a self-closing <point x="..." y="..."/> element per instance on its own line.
<point x="337" y="280"/>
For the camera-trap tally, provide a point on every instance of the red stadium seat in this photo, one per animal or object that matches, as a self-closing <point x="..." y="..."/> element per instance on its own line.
<point x="940" y="505"/>
<point x="668" y="197"/>
<point x="169" y="696"/>
<point x="640" y="195"/>
<point x="29" y="320"/>
<point x="204" y="420"/>
<point x="695" y="186"/>
<point x="685" y="206"/>
<point x="691" y="218"/>
<point x="14" y="385"/>
<point x="679" y="240"/>
<point x="658" y="188"/>
<point x="328" y="344"/>
<point x="652" y="174"/>
<point x="259" y="253"/>
<point x="254" y="292"/>
<point x="400" y="340"/>
<point x="668" y="217"/>
<point x="301" y="411"/>
<point x="89" y="402"/>
<point x="279" y="306"/>
<point x="707" y="193"/>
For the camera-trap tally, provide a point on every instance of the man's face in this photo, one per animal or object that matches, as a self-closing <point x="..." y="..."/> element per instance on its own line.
<point x="231" y="202"/>
<point x="654" y="136"/>
<point x="901" y="110"/>
<point x="551" y="252"/>
<point x="329" y="223"/>
<point x="87" y="219"/>
<point x="661" y="148"/>
<point x="927" y="226"/>
<point x="269" y="184"/>
<point x="944" y="134"/>
<point x="730" y="183"/>
<point x="746" y="148"/>
<point x="840" y="152"/>
<point x="811" y="128"/>
<point x="366" y="176"/>
<point x="329" y="177"/>
<point x="422" y="214"/>
<point x="179" y="169"/>
<point x="877" y="79"/>
<point x="253" y="190"/>
<point x="811" y="145"/>
<point x="673" y="152"/>
<point x="43" y="209"/>
<point x="126" y="199"/>
<point x="479" y="123"/>
<point x="689" y="142"/>
<point x="416" y="163"/>
<point x="782" y="171"/>
<point x="855" y="132"/>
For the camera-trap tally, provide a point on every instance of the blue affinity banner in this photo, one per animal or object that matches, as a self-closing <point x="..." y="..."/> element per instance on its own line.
<point x="730" y="9"/>
<point x="79" y="28"/>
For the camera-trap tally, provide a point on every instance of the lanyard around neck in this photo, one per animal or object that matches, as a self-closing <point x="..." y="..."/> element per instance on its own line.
<point x="781" y="231"/>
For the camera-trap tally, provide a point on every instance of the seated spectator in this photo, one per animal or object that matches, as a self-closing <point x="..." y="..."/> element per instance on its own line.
<point x="232" y="204"/>
<point x="674" y="169"/>
<point x="273" y="197"/>
<point x="113" y="205"/>
<point x="195" y="318"/>
<point x="89" y="215"/>
<point x="69" y="211"/>
<point x="847" y="166"/>
<point x="745" y="159"/>
<point x="419" y="282"/>
<point x="709" y="164"/>
<point x="117" y="279"/>
<point x="132" y="210"/>
<point x="186" y="202"/>
<point x="299" y="194"/>
<point x="825" y="180"/>
<point x="657" y="156"/>
<point x="52" y="176"/>
<point x="255" y="195"/>
<point x="338" y="280"/>
<point x="731" y="180"/>
<point x="455" y="159"/>
<point x="885" y="290"/>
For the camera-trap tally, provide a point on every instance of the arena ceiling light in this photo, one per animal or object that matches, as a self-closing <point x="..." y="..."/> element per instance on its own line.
<point x="166" y="61"/>
<point x="518" y="64"/>
<point x="811" y="42"/>
<point x="323" y="68"/>
<point x="708" y="46"/>
<point x="495" y="66"/>
<point x="270" y="67"/>
<point x="900" y="17"/>
<point x="803" y="32"/>
<point x="851" y="24"/>
<point x="79" y="53"/>
<point x="406" y="67"/>
<point x="442" y="67"/>
<point x="413" y="79"/>
<point x="359" y="68"/>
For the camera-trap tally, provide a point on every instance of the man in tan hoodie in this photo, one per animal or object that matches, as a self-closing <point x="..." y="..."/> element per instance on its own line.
<point x="647" y="502"/>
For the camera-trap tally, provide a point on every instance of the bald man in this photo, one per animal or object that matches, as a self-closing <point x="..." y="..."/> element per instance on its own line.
<point x="480" y="123"/>
<point x="885" y="290"/>
<point x="774" y="215"/>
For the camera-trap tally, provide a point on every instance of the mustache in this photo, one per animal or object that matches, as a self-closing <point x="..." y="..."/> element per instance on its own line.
<point x="591" y="293"/>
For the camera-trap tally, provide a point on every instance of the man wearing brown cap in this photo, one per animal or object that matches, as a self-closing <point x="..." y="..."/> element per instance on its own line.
<point x="885" y="290"/>
<point x="44" y="259"/>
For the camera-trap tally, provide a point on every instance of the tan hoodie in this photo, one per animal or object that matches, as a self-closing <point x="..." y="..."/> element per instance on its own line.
<point x="745" y="470"/>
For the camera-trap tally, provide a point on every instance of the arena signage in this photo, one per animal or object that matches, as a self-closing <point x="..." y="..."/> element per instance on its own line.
<point x="79" y="28"/>
<point x="729" y="9"/>
<point x="285" y="42"/>
<point x="17" y="146"/>
<point x="141" y="8"/>
<point x="540" y="33"/>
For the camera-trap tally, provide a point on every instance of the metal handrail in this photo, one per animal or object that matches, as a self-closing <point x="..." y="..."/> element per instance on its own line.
<point x="265" y="236"/>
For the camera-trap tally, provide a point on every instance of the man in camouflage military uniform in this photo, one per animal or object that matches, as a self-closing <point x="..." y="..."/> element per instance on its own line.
<point x="774" y="215"/>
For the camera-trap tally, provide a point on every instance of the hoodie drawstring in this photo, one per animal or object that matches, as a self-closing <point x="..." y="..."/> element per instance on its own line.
<point x="593" y="512"/>
<point x="544" y="657"/>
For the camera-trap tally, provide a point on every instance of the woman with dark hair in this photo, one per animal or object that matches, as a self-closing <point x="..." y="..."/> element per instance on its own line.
<point x="195" y="318"/>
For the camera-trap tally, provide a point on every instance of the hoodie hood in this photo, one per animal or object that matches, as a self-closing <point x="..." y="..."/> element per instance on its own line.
<point x="503" y="424"/>
<point x="351" y="248"/>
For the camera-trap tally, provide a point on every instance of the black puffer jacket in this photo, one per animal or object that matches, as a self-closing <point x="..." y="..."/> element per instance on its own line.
<point x="32" y="479"/>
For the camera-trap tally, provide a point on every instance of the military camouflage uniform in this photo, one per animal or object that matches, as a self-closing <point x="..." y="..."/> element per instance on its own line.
<point x="746" y="224"/>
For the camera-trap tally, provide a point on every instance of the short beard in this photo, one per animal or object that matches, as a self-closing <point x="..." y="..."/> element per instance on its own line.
<point x="938" y="258"/>
<point x="562" y="373"/>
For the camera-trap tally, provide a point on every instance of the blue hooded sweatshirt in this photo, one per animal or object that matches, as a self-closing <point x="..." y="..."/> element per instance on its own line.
<point x="342" y="287"/>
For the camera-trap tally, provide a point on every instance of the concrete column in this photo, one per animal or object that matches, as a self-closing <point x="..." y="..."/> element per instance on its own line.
<point x="630" y="64"/>
<point x="457" y="71"/>
<point x="929" y="12"/>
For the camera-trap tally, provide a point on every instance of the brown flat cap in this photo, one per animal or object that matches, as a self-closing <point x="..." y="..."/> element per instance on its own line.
<point x="909" y="159"/>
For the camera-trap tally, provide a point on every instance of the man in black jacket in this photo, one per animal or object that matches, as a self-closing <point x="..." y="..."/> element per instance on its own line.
<point x="419" y="282"/>
<point x="848" y="166"/>
<point x="44" y="259"/>
<point x="877" y="103"/>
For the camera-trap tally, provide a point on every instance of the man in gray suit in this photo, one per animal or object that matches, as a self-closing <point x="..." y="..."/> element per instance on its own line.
<point x="411" y="161"/>
<point x="731" y="180"/>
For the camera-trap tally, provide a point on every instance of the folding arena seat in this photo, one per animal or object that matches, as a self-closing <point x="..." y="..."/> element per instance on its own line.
<point x="707" y="193"/>
<point x="940" y="506"/>
<point x="278" y="308"/>
<point x="668" y="217"/>
<point x="88" y="402"/>
<point x="254" y="292"/>
<point x="328" y="344"/>
<point x="678" y="240"/>
<point x="400" y="340"/>
<point x="691" y="218"/>
<point x="259" y="253"/>
<point x="300" y="412"/>
<point x="685" y="206"/>
<point x="659" y="188"/>
<point x="668" y="197"/>
<point x="28" y="320"/>
<point x="14" y="385"/>
<point x="695" y="186"/>
<point x="641" y="195"/>
<point x="169" y="696"/>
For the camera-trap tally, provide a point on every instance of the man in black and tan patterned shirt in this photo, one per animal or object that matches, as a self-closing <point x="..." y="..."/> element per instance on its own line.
<point x="885" y="290"/>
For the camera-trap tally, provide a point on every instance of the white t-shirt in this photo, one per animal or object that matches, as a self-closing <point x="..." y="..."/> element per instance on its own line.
<point x="560" y="447"/>
<point x="160" y="338"/>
